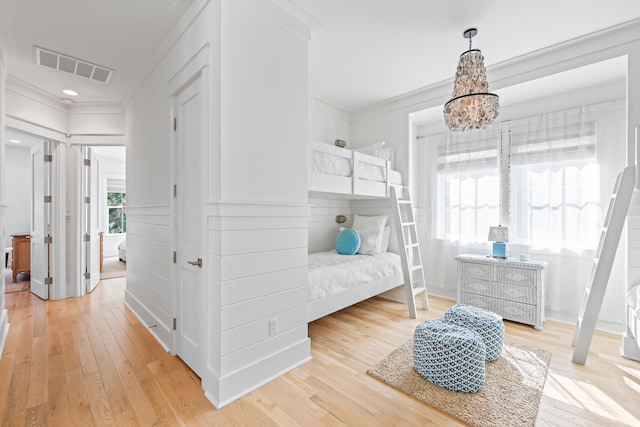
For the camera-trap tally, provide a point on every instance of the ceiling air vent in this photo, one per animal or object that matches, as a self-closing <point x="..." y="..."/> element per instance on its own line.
<point x="71" y="65"/>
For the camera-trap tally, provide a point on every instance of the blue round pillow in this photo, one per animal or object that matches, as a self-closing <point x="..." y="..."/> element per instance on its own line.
<point x="348" y="242"/>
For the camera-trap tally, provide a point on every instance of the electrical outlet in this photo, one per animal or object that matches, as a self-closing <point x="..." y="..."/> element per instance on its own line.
<point x="273" y="326"/>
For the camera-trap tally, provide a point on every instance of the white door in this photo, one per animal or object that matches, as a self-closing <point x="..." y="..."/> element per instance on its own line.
<point x="189" y="224"/>
<point x="90" y="223"/>
<point x="40" y="218"/>
<point x="94" y="226"/>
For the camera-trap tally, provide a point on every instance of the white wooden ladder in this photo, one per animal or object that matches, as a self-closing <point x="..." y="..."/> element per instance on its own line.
<point x="407" y="235"/>
<point x="602" y="263"/>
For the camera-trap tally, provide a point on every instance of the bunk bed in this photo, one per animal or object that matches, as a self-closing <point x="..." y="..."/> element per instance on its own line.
<point x="351" y="172"/>
<point x="339" y="281"/>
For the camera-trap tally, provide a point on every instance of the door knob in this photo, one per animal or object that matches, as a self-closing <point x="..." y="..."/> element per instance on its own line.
<point x="197" y="263"/>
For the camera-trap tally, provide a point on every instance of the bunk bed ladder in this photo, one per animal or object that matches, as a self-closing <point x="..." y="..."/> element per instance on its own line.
<point x="407" y="235"/>
<point x="602" y="263"/>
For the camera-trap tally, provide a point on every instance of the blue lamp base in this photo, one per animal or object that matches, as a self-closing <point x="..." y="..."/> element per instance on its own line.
<point x="499" y="250"/>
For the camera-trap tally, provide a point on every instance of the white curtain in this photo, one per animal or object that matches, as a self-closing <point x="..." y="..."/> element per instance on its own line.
<point x="556" y="172"/>
<point x="459" y="201"/>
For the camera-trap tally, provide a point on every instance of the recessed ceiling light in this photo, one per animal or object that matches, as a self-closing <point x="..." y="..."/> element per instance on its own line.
<point x="70" y="92"/>
<point x="15" y="141"/>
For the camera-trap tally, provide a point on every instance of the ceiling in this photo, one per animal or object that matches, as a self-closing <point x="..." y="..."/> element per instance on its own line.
<point x="365" y="51"/>
<point x="117" y="34"/>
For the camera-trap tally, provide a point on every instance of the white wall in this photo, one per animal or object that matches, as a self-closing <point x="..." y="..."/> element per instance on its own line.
<point x="257" y="195"/>
<point x="328" y="122"/>
<point x="18" y="192"/>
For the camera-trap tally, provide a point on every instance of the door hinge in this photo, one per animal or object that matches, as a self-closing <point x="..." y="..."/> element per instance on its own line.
<point x="87" y="200"/>
<point x="87" y="237"/>
<point x="175" y="257"/>
<point x="48" y="280"/>
<point x="175" y="123"/>
<point x="174" y="323"/>
<point x="87" y="162"/>
<point x="48" y="158"/>
<point x="48" y="199"/>
<point x="175" y="190"/>
<point x="87" y="275"/>
<point x="48" y="240"/>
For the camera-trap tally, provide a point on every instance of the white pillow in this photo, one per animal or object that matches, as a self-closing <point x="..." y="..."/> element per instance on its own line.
<point x="377" y="223"/>
<point x="393" y="243"/>
<point x="369" y="240"/>
<point x="386" y="153"/>
<point x="372" y="150"/>
<point x="385" y="239"/>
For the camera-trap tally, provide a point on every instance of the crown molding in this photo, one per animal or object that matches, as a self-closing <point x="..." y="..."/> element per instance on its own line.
<point x="598" y="46"/>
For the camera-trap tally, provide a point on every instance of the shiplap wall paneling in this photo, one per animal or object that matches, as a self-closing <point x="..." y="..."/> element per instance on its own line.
<point x="257" y="276"/>
<point x="150" y="291"/>
<point x="323" y="228"/>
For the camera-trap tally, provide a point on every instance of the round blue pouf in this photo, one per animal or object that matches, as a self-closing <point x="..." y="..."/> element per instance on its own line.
<point x="449" y="356"/>
<point x="487" y="324"/>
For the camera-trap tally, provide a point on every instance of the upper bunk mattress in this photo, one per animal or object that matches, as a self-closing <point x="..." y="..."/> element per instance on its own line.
<point x="341" y="166"/>
<point x="331" y="273"/>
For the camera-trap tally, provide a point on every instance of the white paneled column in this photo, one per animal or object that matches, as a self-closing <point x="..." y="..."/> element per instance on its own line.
<point x="258" y="296"/>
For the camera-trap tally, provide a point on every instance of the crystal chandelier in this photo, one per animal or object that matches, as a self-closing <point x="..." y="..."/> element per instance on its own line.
<point x="471" y="105"/>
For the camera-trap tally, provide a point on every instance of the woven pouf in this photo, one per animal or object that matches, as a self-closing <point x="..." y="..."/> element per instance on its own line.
<point x="487" y="324"/>
<point x="449" y="355"/>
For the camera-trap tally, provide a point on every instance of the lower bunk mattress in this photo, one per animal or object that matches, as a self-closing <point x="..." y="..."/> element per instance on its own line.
<point x="331" y="273"/>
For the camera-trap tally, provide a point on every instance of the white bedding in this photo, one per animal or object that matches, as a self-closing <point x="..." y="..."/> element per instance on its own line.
<point x="341" y="166"/>
<point x="331" y="273"/>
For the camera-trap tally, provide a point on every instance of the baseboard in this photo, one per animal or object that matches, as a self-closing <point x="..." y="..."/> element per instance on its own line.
<point x="222" y="391"/>
<point x="157" y="328"/>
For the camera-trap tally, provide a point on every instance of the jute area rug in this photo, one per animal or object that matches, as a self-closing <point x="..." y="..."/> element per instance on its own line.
<point x="510" y="397"/>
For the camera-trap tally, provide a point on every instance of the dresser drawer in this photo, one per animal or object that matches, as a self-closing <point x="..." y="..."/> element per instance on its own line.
<point x="509" y="310"/>
<point x="523" y="294"/>
<point x="477" y="271"/>
<point x="517" y="276"/>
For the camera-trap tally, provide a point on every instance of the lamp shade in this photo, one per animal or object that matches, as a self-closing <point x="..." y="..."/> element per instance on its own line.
<point x="498" y="234"/>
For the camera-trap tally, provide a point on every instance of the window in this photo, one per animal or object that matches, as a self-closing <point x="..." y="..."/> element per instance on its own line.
<point x="544" y="184"/>
<point x="469" y="205"/>
<point x="467" y="202"/>
<point x="547" y="177"/>
<point x="556" y="206"/>
<point x="117" y="218"/>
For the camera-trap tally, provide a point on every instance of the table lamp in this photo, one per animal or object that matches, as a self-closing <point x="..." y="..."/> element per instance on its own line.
<point x="499" y="236"/>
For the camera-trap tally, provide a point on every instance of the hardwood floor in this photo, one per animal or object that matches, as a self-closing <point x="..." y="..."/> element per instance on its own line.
<point x="88" y="361"/>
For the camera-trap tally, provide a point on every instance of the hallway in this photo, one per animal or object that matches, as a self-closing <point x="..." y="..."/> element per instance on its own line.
<point x="89" y="361"/>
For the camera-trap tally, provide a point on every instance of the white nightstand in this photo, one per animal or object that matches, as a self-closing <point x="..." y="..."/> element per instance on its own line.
<point x="511" y="288"/>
